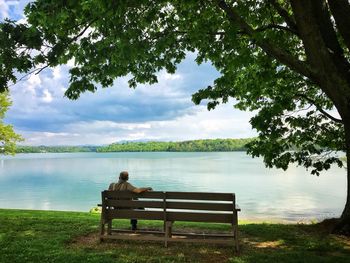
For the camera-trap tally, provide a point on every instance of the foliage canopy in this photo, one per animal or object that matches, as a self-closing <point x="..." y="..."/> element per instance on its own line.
<point x="289" y="60"/>
<point x="110" y="39"/>
<point x="8" y="137"/>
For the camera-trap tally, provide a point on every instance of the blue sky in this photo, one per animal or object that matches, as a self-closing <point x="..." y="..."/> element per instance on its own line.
<point x="163" y="111"/>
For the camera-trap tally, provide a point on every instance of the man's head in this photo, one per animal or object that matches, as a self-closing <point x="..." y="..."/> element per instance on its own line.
<point x="124" y="175"/>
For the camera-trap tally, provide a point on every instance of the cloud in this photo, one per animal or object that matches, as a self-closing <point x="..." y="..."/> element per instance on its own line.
<point x="12" y="9"/>
<point x="163" y="111"/>
<point x="39" y="102"/>
<point x="4" y="9"/>
<point x="201" y="124"/>
<point x="47" y="97"/>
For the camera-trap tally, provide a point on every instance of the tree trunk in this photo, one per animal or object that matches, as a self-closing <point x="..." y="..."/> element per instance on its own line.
<point x="343" y="226"/>
<point x="316" y="32"/>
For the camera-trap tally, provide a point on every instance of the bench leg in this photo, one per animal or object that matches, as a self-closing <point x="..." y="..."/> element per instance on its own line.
<point x="109" y="227"/>
<point x="102" y="228"/>
<point x="168" y="230"/>
<point x="235" y="233"/>
<point x="169" y="225"/>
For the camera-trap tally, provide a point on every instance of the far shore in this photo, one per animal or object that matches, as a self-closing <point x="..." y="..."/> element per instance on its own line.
<point x="202" y="145"/>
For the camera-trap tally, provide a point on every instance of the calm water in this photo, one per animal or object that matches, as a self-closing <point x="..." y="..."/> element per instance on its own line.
<point x="73" y="181"/>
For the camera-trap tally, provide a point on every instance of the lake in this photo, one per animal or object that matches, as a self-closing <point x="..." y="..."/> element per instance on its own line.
<point x="73" y="182"/>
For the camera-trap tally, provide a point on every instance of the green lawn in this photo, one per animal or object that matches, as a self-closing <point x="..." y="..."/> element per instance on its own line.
<point x="45" y="236"/>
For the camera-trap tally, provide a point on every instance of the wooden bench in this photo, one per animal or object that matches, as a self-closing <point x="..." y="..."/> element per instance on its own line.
<point x="170" y="207"/>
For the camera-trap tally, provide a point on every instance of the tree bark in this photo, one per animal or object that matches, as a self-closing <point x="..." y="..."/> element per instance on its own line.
<point x="343" y="225"/>
<point x="340" y="10"/>
<point x="333" y="79"/>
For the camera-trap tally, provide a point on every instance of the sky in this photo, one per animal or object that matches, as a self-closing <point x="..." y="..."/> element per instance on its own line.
<point x="161" y="112"/>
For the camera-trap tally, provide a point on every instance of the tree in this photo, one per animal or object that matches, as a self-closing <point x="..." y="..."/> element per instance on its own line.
<point x="8" y="137"/>
<point x="289" y="60"/>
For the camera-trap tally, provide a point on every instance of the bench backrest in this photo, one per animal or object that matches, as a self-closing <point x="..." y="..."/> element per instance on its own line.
<point x="171" y="206"/>
<point x="122" y="204"/>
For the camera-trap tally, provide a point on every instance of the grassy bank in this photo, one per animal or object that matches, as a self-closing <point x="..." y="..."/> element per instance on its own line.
<point x="42" y="236"/>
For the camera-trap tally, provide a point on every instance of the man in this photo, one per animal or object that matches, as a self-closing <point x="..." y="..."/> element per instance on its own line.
<point x="124" y="185"/>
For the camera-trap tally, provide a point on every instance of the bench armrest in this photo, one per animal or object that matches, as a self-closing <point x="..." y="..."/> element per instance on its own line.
<point x="238" y="208"/>
<point x="99" y="204"/>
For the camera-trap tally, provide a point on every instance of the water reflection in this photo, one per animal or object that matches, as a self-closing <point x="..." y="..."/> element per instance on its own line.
<point x="74" y="182"/>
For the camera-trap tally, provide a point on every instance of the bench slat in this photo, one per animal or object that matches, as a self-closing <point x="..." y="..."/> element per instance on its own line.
<point x="199" y="206"/>
<point x="129" y="214"/>
<point x="171" y="216"/>
<point x="173" y="239"/>
<point x="134" y="237"/>
<point x="169" y="205"/>
<point x="135" y="203"/>
<point x="200" y="196"/>
<point x="199" y="217"/>
<point x="127" y="194"/>
<point x="198" y="240"/>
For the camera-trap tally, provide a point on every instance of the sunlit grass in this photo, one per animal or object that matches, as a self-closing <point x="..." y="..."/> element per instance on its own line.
<point x="47" y="236"/>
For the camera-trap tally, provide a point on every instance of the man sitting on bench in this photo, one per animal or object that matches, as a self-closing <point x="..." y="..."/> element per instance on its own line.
<point x="124" y="185"/>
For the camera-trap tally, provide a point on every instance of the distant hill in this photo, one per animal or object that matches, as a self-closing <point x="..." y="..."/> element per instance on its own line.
<point x="55" y="149"/>
<point x="213" y="145"/>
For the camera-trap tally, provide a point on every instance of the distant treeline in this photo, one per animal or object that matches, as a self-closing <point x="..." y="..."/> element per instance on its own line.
<point x="217" y="145"/>
<point x="55" y="149"/>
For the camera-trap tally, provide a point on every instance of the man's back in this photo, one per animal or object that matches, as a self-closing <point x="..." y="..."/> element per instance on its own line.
<point x="121" y="186"/>
<point x="124" y="185"/>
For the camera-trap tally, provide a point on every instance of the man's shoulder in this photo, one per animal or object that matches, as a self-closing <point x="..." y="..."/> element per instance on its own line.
<point x="130" y="187"/>
<point x="111" y="186"/>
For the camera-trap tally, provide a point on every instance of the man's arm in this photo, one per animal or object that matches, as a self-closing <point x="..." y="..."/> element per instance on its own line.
<point x="141" y="190"/>
<point x="136" y="190"/>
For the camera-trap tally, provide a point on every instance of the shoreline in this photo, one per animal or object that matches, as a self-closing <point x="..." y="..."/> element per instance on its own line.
<point x="241" y="220"/>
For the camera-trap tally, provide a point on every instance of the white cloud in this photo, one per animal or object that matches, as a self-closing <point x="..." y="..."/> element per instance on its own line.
<point x="224" y="122"/>
<point x="12" y="9"/>
<point x="56" y="72"/>
<point x="47" y="97"/>
<point x="22" y="21"/>
<point x="32" y="83"/>
<point x="71" y="63"/>
<point x="4" y="9"/>
<point x="168" y="76"/>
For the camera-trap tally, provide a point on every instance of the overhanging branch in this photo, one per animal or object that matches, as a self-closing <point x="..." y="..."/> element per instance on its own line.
<point x="341" y="13"/>
<point x="284" y="14"/>
<point x="318" y="107"/>
<point x="272" y="26"/>
<point x="281" y="55"/>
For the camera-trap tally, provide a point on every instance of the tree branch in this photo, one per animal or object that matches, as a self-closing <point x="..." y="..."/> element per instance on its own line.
<point x="272" y="26"/>
<point x="38" y="70"/>
<point x="281" y="55"/>
<point x="323" y="19"/>
<point x="341" y="13"/>
<point x="41" y="69"/>
<point x="318" y="107"/>
<point x="284" y="14"/>
<point x="332" y="80"/>
<point x="325" y="26"/>
<point x="83" y="31"/>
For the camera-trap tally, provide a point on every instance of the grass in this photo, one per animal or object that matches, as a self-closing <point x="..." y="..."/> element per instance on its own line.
<point x="48" y="236"/>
